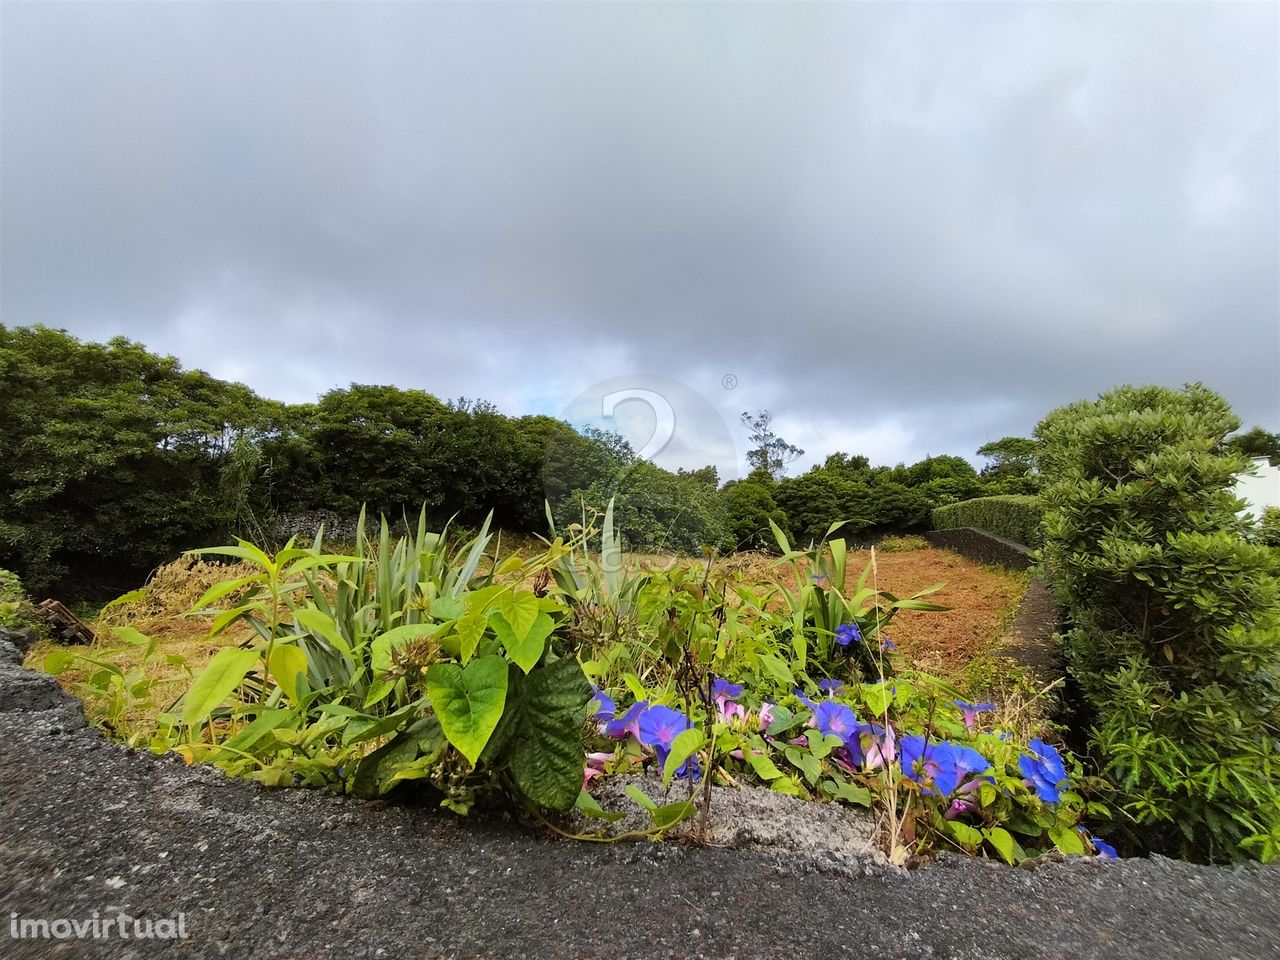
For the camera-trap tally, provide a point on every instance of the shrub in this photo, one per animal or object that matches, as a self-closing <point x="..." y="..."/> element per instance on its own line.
<point x="903" y="544"/>
<point x="1175" y="637"/>
<point x="1011" y="516"/>
<point x="13" y="601"/>
<point x="749" y="507"/>
<point x="1269" y="527"/>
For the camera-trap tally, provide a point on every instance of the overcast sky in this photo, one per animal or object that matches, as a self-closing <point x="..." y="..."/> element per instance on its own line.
<point x="905" y="229"/>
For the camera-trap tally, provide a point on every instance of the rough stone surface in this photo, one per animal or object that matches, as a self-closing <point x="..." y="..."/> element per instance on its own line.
<point x="86" y="825"/>
<point x="828" y="836"/>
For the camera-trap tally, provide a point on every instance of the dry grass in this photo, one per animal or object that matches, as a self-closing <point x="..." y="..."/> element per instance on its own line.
<point x="183" y="644"/>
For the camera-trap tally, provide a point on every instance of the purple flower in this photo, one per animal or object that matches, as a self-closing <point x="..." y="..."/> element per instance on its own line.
<point x="1045" y="772"/>
<point x="887" y="645"/>
<point x="836" y="718"/>
<point x="872" y="746"/>
<point x="627" y="724"/>
<point x="831" y="687"/>
<point x="847" y="633"/>
<point x="605" y="707"/>
<point x="970" y="712"/>
<point x="766" y="715"/>
<point x="723" y="690"/>
<point x="659" y="726"/>
<point x="819" y="578"/>
<point x="941" y="764"/>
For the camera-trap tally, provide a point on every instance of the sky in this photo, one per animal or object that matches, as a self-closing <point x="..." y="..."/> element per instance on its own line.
<point x="905" y="229"/>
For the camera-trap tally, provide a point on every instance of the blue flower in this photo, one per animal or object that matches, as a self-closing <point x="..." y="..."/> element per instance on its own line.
<point x="659" y="726"/>
<point x="847" y="633"/>
<point x="605" y="707"/>
<point x="831" y="687"/>
<point x="1044" y="770"/>
<point x="940" y="764"/>
<point x="836" y="718"/>
<point x="887" y="645"/>
<point x="1105" y="850"/>
<point x="628" y="723"/>
<point x="723" y="690"/>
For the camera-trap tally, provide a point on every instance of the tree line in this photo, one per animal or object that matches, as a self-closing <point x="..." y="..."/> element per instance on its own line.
<point x="114" y="456"/>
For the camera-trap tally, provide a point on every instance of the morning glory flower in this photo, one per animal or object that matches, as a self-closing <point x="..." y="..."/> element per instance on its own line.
<point x="831" y="687"/>
<point x="1105" y="850"/>
<point x="605" y="707"/>
<point x="832" y="717"/>
<point x="970" y="712"/>
<point x="627" y="724"/>
<point x="940" y="763"/>
<point x="847" y="633"/>
<point x="723" y="690"/>
<point x="724" y="693"/>
<point x="766" y="715"/>
<point x="659" y="726"/>
<point x="1045" y="772"/>
<point x="887" y="645"/>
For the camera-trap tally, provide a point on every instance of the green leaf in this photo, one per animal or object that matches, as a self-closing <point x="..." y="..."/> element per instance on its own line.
<point x="322" y="625"/>
<point x="764" y="767"/>
<point x="877" y="697"/>
<point x="377" y="773"/>
<point x="640" y="797"/>
<point x="380" y="651"/>
<point x="1067" y="840"/>
<point x="288" y="664"/>
<point x="1004" y="843"/>
<point x="587" y="805"/>
<point x="225" y="672"/>
<point x="519" y="609"/>
<point x="850" y="793"/>
<point x="469" y="701"/>
<point x="963" y="834"/>
<point x="527" y="652"/>
<point x="547" y="756"/>
<point x="669" y="814"/>
<point x="686" y="744"/>
<point x="470" y="629"/>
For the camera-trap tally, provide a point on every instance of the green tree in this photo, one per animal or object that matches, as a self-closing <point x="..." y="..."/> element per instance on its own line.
<point x="1175" y="618"/>
<point x="768" y="450"/>
<point x="111" y="453"/>
<point x="1257" y="442"/>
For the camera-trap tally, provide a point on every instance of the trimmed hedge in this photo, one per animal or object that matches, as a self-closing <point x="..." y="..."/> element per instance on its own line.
<point x="1013" y="516"/>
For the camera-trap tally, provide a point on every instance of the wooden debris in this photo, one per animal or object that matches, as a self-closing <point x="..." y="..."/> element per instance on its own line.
<point x="64" y="626"/>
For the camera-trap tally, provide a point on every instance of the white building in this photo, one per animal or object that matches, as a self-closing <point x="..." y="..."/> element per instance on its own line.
<point x="1261" y="488"/>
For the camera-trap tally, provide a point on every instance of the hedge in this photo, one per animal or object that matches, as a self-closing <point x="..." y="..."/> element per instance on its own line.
<point x="1013" y="516"/>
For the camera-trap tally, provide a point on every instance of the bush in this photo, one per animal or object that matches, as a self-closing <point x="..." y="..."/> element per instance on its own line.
<point x="1175" y="637"/>
<point x="13" y="602"/>
<point x="1269" y="527"/>
<point x="1011" y="516"/>
<point x="903" y="544"/>
<point x="748" y="509"/>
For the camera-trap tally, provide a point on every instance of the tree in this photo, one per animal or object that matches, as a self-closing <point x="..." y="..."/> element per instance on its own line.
<point x="1257" y="442"/>
<point x="1009" y="456"/>
<point x="1175" y="618"/>
<point x="768" y="450"/>
<point x="112" y="454"/>
<point x="748" y="508"/>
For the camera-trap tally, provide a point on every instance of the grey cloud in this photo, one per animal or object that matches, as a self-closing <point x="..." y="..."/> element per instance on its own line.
<point x="922" y="224"/>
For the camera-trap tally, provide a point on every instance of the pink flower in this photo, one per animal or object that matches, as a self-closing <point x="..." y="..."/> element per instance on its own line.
<point x="766" y="715"/>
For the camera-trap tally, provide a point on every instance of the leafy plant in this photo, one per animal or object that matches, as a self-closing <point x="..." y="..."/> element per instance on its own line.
<point x="1175" y="635"/>
<point x="1012" y="516"/>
